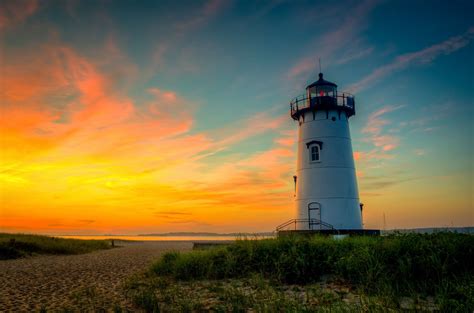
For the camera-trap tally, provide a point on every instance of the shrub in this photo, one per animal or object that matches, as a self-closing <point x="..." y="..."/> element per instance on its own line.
<point x="19" y="245"/>
<point x="400" y="264"/>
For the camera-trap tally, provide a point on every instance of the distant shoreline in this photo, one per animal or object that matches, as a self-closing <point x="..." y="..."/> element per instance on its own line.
<point x="168" y="238"/>
<point x="180" y="234"/>
<point x="425" y="230"/>
<point x="430" y="230"/>
<point x="422" y="230"/>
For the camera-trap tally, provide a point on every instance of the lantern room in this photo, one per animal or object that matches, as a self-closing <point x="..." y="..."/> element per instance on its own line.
<point x="321" y="88"/>
<point x="322" y="95"/>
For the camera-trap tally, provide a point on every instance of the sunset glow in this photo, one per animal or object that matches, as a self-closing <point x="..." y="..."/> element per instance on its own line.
<point x="127" y="120"/>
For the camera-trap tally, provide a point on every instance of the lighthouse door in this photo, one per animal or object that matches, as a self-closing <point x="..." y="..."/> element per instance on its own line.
<point x="314" y="215"/>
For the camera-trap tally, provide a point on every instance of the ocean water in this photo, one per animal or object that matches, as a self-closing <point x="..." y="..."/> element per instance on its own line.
<point x="162" y="238"/>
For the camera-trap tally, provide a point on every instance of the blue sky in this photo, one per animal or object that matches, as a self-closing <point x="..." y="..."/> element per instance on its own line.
<point x="232" y="67"/>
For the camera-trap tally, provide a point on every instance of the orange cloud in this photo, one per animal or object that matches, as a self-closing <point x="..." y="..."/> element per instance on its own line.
<point x="357" y="155"/>
<point x="75" y="147"/>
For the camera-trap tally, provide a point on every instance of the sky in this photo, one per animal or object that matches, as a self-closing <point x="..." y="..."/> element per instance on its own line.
<point x="130" y="117"/>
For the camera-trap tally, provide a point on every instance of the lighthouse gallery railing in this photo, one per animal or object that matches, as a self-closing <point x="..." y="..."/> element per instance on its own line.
<point x="340" y="100"/>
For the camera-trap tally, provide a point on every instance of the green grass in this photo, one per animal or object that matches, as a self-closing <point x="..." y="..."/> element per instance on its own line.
<point x="379" y="270"/>
<point x="14" y="246"/>
<point x="239" y="295"/>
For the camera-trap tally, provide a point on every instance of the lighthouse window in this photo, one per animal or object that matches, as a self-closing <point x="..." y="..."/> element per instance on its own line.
<point x="325" y="91"/>
<point x="314" y="157"/>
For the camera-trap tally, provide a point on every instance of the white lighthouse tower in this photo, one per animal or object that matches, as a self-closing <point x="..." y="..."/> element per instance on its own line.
<point x="327" y="197"/>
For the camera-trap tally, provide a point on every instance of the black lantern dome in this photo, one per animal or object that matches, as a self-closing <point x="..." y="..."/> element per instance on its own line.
<point x="321" y="82"/>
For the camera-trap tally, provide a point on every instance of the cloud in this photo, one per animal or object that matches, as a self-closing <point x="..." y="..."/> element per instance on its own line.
<point x="332" y="42"/>
<point x="13" y="13"/>
<point x="424" y="56"/>
<point x="376" y="132"/>
<point x="250" y="127"/>
<point x="376" y="161"/>
<point x="430" y="117"/>
<point x="382" y="182"/>
<point x="86" y="222"/>
<point x="173" y="217"/>
<point x="355" y="54"/>
<point x="172" y="213"/>
<point x="184" y="59"/>
<point x="372" y="155"/>
<point x="202" y="16"/>
<point x="375" y="123"/>
<point x="80" y="146"/>
<point x="111" y="57"/>
<point x="287" y="138"/>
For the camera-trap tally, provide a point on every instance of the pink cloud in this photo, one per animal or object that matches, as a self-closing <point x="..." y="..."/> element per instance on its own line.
<point x="255" y="125"/>
<point x="375" y="129"/>
<point x="375" y="122"/>
<point x="285" y="141"/>
<point x="287" y="138"/>
<point x="372" y="155"/>
<point x="303" y="66"/>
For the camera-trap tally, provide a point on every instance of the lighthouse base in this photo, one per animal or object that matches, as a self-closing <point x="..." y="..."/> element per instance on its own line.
<point x="350" y="232"/>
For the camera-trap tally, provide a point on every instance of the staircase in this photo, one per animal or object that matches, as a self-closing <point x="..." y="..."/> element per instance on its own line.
<point x="311" y="223"/>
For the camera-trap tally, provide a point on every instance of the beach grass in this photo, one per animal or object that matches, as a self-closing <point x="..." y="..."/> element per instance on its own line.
<point x="14" y="246"/>
<point x="400" y="271"/>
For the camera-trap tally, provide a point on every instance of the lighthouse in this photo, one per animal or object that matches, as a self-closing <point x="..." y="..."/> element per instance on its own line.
<point x="326" y="192"/>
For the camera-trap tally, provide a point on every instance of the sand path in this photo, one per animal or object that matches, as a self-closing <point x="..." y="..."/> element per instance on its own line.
<point x="87" y="282"/>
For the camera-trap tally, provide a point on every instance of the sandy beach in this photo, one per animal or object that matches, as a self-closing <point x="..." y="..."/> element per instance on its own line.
<point x="87" y="282"/>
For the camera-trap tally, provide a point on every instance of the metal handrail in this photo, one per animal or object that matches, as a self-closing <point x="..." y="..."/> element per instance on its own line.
<point x="281" y="226"/>
<point x="301" y="102"/>
<point x="310" y="221"/>
<point x="336" y="95"/>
